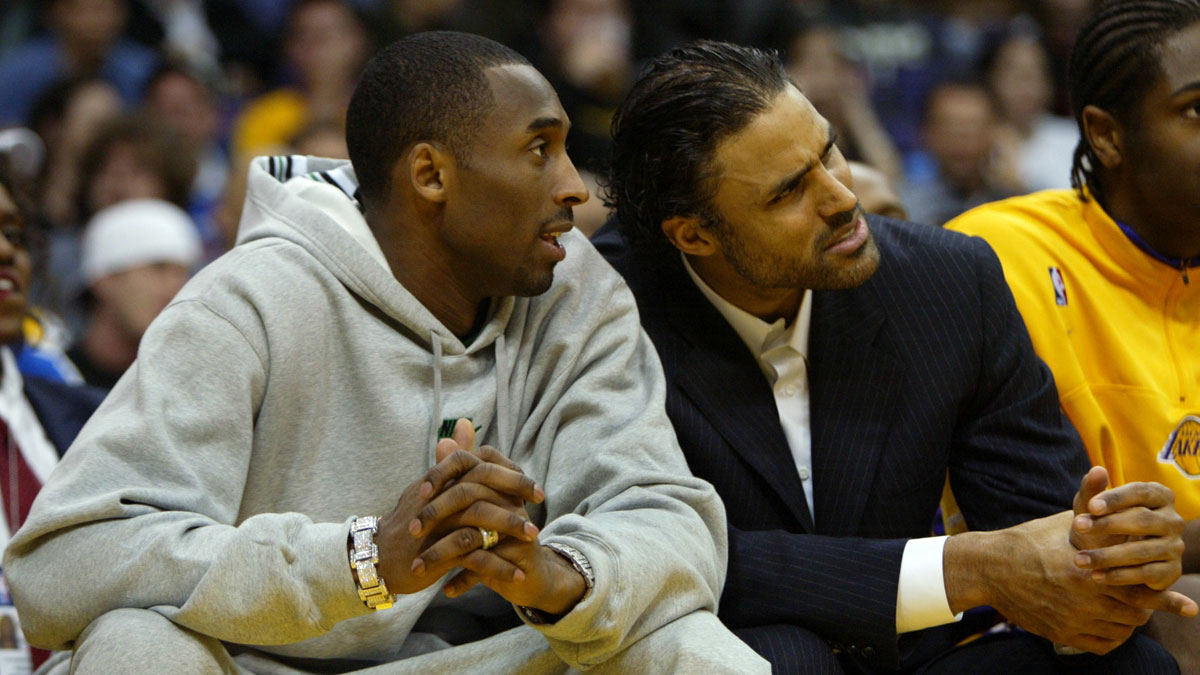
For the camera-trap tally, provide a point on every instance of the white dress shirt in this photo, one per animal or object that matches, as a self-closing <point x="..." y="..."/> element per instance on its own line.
<point x="782" y="354"/>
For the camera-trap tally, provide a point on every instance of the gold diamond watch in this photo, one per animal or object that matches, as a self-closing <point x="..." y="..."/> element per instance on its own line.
<point x="363" y="558"/>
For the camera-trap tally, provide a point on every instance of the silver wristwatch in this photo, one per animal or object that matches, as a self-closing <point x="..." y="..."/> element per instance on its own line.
<point x="363" y="558"/>
<point x="580" y="562"/>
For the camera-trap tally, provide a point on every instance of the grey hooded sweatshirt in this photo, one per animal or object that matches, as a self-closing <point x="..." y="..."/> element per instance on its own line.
<point x="293" y="384"/>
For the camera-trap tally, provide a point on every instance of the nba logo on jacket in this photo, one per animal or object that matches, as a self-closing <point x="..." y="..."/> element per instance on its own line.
<point x="1060" y="288"/>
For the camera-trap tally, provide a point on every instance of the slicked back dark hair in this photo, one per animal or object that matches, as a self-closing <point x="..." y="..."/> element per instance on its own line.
<point x="425" y="87"/>
<point x="667" y="130"/>
<point x="1114" y="62"/>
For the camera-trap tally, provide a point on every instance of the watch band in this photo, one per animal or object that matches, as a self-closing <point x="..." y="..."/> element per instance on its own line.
<point x="580" y="562"/>
<point x="363" y="558"/>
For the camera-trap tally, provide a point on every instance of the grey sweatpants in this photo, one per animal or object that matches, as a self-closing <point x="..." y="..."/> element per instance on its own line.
<point x="142" y="641"/>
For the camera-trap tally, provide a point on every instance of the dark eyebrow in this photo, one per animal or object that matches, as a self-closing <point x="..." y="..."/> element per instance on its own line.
<point x="790" y="182"/>
<point x="543" y="123"/>
<point x="1186" y="88"/>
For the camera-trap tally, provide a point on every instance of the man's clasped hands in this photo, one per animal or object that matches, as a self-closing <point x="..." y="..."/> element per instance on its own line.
<point x="440" y="521"/>
<point x="1085" y="578"/>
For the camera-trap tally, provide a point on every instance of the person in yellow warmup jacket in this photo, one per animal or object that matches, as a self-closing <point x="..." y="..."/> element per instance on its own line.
<point x="1107" y="276"/>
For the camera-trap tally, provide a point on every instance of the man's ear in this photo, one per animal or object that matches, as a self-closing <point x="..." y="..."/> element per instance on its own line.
<point x="428" y="170"/>
<point x="1103" y="132"/>
<point x="689" y="236"/>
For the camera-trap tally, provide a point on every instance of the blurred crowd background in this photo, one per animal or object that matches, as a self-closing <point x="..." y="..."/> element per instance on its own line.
<point x="132" y="121"/>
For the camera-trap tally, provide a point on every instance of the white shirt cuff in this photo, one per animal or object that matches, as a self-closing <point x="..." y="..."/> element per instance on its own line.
<point x="921" y="596"/>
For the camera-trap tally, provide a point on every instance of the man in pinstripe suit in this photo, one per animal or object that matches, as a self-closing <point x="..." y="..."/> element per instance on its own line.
<point x="826" y="372"/>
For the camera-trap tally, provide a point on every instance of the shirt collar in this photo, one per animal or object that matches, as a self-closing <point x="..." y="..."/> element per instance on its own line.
<point x="1131" y="259"/>
<point x="759" y="335"/>
<point x="1177" y="263"/>
<point x="11" y="384"/>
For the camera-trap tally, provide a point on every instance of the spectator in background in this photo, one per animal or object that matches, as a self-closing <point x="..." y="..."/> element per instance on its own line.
<point x="323" y="138"/>
<point x="1017" y="72"/>
<point x="68" y="117"/>
<point x="136" y="157"/>
<point x="187" y="102"/>
<point x="838" y="89"/>
<point x="132" y="157"/>
<point x="186" y="34"/>
<point x="959" y="132"/>
<point x="588" y="58"/>
<point x="1059" y="21"/>
<point x="136" y="256"/>
<point x="324" y="47"/>
<point x="84" y="41"/>
<point x="39" y="418"/>
<point x="875" y="192"/>
<point x="965" y="26"/>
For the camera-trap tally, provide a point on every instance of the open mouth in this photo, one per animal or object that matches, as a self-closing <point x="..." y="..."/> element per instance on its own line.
<point x="553" y="246"/>
<point x="8" y="282"/>
<point x="552" y="238"/>
<point x="852" y="239"/>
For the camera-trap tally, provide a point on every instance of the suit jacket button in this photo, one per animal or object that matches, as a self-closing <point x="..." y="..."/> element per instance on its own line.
<point x="853" y="649"/>
<point x="868" y="651"/>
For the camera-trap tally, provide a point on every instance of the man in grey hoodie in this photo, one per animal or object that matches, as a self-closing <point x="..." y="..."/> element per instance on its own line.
<point x="305" y="378"/>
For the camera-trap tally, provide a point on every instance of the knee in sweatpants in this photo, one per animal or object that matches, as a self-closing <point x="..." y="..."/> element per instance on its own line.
<point x="142" y="641"/>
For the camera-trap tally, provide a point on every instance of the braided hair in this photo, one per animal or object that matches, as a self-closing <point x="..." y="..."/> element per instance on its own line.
<point x="1112" y="66"/>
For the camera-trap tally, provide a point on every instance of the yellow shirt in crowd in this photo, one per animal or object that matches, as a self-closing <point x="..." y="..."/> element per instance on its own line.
<point x="1119" y="330"/>
<point x="269" y="122"/>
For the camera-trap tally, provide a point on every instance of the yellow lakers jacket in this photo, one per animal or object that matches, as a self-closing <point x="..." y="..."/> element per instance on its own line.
<point x="1119" y="329"/>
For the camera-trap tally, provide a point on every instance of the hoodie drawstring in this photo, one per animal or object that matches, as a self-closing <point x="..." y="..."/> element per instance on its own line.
<point x="436" y="340"/>
<point x="503" y="373"/>
<point x="502" y="412"/>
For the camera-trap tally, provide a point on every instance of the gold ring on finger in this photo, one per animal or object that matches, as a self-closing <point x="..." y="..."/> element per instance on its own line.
<point x="490" y="537"/>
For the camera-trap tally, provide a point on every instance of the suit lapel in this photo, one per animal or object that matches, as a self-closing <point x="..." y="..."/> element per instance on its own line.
<point x="722" y="379"/>
<point x="855" y="386"/>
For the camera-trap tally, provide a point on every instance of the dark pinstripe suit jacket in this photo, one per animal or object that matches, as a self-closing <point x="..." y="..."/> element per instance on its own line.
<point x="924" y="369"/>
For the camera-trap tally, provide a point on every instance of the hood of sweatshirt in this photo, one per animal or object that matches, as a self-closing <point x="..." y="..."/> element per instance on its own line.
<point x="314" y="202"/>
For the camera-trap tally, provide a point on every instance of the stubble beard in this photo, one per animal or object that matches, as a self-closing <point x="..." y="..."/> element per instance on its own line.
<point x="528" y="283"/>
<point x="767" y="269"/>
